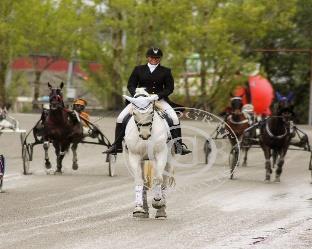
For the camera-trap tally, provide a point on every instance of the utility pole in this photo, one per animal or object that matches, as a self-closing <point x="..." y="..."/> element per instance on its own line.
<point x="295" y="50"/>
<point x="70" y="91"/>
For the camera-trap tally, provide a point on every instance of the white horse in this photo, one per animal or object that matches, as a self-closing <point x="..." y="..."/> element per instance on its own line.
<point x="146" y="137"/>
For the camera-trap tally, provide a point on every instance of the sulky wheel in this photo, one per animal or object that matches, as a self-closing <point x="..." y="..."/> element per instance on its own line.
<point x="233" y="160"/>
<point x="1" y="183"/>
<point x="207" y="150"/>
<point x="26" y="159"/>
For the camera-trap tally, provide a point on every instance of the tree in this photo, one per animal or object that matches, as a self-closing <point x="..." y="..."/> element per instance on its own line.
<point x="50" y="29"/>
<point x="9" y="42"/>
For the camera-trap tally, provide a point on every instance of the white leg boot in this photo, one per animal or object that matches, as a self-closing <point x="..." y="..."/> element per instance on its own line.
<point x="138" y="210"/>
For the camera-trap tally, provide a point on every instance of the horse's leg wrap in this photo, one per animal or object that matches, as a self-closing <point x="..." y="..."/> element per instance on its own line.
<point x="157" y="192"/>
<point x="139" y="195"/>
<point x="144" y="197"/>
<point x="158" y="200"/>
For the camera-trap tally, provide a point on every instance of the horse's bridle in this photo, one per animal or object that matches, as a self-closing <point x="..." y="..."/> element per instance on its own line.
<point x="139" y="125"/>
<point x="59" y="100"/>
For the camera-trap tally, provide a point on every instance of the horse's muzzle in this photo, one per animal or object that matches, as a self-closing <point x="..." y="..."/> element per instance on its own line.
<point x="145" y="137"/>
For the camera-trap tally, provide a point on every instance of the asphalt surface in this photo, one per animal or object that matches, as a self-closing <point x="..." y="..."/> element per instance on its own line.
<point x="88" y="209"/>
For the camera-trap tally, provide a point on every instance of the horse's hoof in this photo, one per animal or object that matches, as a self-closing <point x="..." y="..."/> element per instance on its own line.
<point x="161" y="213"/>
<point x="58" y="172"/>
<point x="157" y="204"/>
<point x="277" y="179"/>
<point x="75" y="166"/>
<point x="50" y="172"/>
<point x="139" y="212"/>
<point x="48" y="165"/>
<point x="140" y="215"/>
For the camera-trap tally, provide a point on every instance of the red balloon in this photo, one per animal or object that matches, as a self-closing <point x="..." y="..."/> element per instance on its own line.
<point x="262" y="94"/>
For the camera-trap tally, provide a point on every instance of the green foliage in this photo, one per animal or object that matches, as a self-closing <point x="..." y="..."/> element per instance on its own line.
<point x="116" y="33"/>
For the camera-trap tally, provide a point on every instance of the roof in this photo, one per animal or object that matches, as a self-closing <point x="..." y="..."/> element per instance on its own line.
<point x="46" y="63"/>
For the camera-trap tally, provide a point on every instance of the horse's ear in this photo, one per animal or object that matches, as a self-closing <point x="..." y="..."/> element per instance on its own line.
<point x="49" y="85"/>
<point x="278" y="96"/>
<point x="62" y="85"/>
<point x="290" y="96"/>
<point x="128" y="98"/>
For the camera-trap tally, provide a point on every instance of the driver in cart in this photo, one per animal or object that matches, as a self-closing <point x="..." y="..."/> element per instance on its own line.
<point x="79" y="106"/>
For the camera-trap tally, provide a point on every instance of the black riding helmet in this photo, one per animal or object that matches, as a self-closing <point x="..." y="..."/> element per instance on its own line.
<point x="154" y="52"/>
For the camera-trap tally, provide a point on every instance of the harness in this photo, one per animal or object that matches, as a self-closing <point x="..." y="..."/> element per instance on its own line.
<point x="244" y="121"/>
<point x="267" y="128"/>
<point x="163" y="115"/>
<point x="139" y="125"/>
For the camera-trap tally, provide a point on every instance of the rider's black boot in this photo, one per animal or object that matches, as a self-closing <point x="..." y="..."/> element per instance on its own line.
<point x="117" y="145"/>
<point x="180" y="148"/>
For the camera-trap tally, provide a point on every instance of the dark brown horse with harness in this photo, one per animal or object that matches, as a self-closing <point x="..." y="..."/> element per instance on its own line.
<point x="275" y="137"/>
<point x="61" y="128"/>
<point x="238" y="121"/>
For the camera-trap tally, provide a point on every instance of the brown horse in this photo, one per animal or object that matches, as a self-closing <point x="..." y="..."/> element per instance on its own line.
<point x="239" y="122"/>
<point x="61" y="128"/>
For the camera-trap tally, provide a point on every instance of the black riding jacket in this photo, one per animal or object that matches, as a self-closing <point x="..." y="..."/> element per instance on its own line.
<point x="159" y="82"/>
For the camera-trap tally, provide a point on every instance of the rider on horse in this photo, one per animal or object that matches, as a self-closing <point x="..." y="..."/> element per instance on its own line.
<point x="158" y="81"/>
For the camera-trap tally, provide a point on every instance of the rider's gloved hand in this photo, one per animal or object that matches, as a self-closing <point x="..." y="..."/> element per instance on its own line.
<point x="155" y="97"/>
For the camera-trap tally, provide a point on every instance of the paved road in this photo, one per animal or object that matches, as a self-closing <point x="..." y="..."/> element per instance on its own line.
<point x="88" y="209"/>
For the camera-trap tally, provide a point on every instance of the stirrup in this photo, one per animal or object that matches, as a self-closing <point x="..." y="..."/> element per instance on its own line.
<point x="181" y="148"/>
<point x="113" y="150"/>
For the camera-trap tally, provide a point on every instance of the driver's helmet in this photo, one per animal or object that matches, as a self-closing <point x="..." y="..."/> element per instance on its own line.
<point x="79" y="105"/>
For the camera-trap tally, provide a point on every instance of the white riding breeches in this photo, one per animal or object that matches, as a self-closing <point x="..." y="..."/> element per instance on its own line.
<point x="161" y="103"/>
